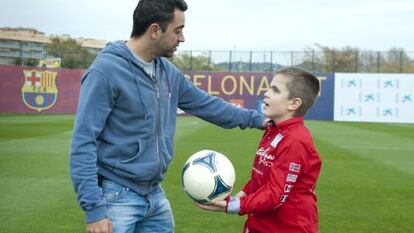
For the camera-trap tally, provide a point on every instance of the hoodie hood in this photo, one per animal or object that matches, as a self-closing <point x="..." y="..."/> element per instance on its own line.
<point x="119" y="49"/>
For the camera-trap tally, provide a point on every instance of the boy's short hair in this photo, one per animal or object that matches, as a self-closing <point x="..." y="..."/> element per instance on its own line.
<point x="302" y="84"/>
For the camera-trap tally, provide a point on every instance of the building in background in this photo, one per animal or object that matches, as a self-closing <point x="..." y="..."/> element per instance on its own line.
<point x="19" y="44"/>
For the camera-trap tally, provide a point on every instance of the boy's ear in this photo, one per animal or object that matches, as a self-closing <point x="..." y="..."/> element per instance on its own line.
<point x="295" y="104"/>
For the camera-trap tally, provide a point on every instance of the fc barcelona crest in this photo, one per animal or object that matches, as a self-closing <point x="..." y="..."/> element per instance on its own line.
<point x="39" y="90"/>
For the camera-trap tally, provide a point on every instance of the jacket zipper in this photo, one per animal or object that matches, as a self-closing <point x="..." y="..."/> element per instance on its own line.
<point x="154" y="80"/>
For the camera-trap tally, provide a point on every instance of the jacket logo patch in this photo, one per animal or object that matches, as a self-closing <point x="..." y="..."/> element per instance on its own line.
<point x="294" y="167"/>
<point x="288" y="188"/>
<point x="291" y="178"/>
<point x="276" y="140"/>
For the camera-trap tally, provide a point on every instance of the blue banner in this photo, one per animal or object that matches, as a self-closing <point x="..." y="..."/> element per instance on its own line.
<point x="324" y="106"/>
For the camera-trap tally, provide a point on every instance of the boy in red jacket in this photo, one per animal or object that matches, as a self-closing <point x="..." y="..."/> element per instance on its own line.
<point x="280" y="196"/>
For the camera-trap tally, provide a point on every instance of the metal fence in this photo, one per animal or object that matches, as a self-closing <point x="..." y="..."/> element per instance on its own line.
<point x="316" y="61"/>
<point x="355" y="61"/>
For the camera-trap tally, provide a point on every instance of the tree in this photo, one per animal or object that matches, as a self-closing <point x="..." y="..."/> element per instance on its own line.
<point x="25" y="61"/>
<point x="348" y="59"/>
<point x="331" y="59"/>
<point x="395" y="60"/>
<point x="73" y="55"/>
<point x="189" y="62"/>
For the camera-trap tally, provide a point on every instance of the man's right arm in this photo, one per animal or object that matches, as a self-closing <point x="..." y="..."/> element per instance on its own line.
<point x="95" y="104"/>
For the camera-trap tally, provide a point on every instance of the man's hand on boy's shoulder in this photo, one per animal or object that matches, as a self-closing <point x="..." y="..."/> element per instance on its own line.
<point x="265" y="122"/>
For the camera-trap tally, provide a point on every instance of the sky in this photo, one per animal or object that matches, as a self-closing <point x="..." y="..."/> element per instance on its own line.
<point x="245" y="25"/>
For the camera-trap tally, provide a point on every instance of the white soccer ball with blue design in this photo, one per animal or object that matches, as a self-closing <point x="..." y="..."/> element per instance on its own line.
<point x="207" y="176"/>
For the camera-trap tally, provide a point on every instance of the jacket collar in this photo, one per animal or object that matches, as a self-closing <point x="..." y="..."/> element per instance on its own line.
<point x="287" y="123"/>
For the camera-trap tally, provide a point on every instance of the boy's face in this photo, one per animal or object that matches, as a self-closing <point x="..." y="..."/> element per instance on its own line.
<point x="277" y="105"/>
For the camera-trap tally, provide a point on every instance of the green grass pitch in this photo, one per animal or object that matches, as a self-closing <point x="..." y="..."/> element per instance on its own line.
<point x="366" y="183"/>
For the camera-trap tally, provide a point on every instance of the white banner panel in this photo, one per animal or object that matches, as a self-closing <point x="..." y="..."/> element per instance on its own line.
<point x="374" y="97"/>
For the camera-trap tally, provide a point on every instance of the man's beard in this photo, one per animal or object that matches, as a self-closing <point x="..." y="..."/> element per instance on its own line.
<point x="169" y="53"/>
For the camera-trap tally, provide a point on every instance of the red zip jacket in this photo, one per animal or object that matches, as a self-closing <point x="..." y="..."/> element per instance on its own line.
<point x="281" y="192"/>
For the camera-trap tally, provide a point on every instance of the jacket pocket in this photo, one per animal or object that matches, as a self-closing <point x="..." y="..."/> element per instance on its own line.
<point x="111" y="154"/>
<point x="143" y="165"/>
<point x="142" y="145"/>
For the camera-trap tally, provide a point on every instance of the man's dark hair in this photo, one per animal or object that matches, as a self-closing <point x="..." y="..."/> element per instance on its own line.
<point x="302" y="84"/>
<point x="161" y="12"/>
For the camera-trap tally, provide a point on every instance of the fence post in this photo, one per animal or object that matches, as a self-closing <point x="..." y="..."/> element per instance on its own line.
<point x="230" y="53"/>
<point x="379" y="61"/>
<point x="271" y="61"/>
<point x="356" y="60"/>
<point x="250" y="61"/>
<point x="313" y="60"/>
<point x="191" y="60"/>
<point x="209" y="58"/>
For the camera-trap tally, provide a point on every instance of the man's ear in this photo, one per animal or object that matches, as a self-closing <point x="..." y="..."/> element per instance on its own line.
<point x="295" y="104"/>
<point x="154" y="31"/>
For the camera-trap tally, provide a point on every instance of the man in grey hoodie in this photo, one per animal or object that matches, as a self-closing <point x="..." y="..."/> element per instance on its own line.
<point x="124" y="129"/>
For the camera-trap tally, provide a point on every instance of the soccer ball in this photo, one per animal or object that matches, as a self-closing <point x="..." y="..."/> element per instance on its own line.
<point x="207" y="176"/>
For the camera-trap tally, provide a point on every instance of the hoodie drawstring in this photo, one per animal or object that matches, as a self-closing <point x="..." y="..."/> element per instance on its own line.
<point x="166" y="75"/>
<point x="137" y="81"/>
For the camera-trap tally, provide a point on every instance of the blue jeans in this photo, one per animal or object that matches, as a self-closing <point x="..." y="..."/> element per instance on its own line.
<point x="130" y="212"/>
